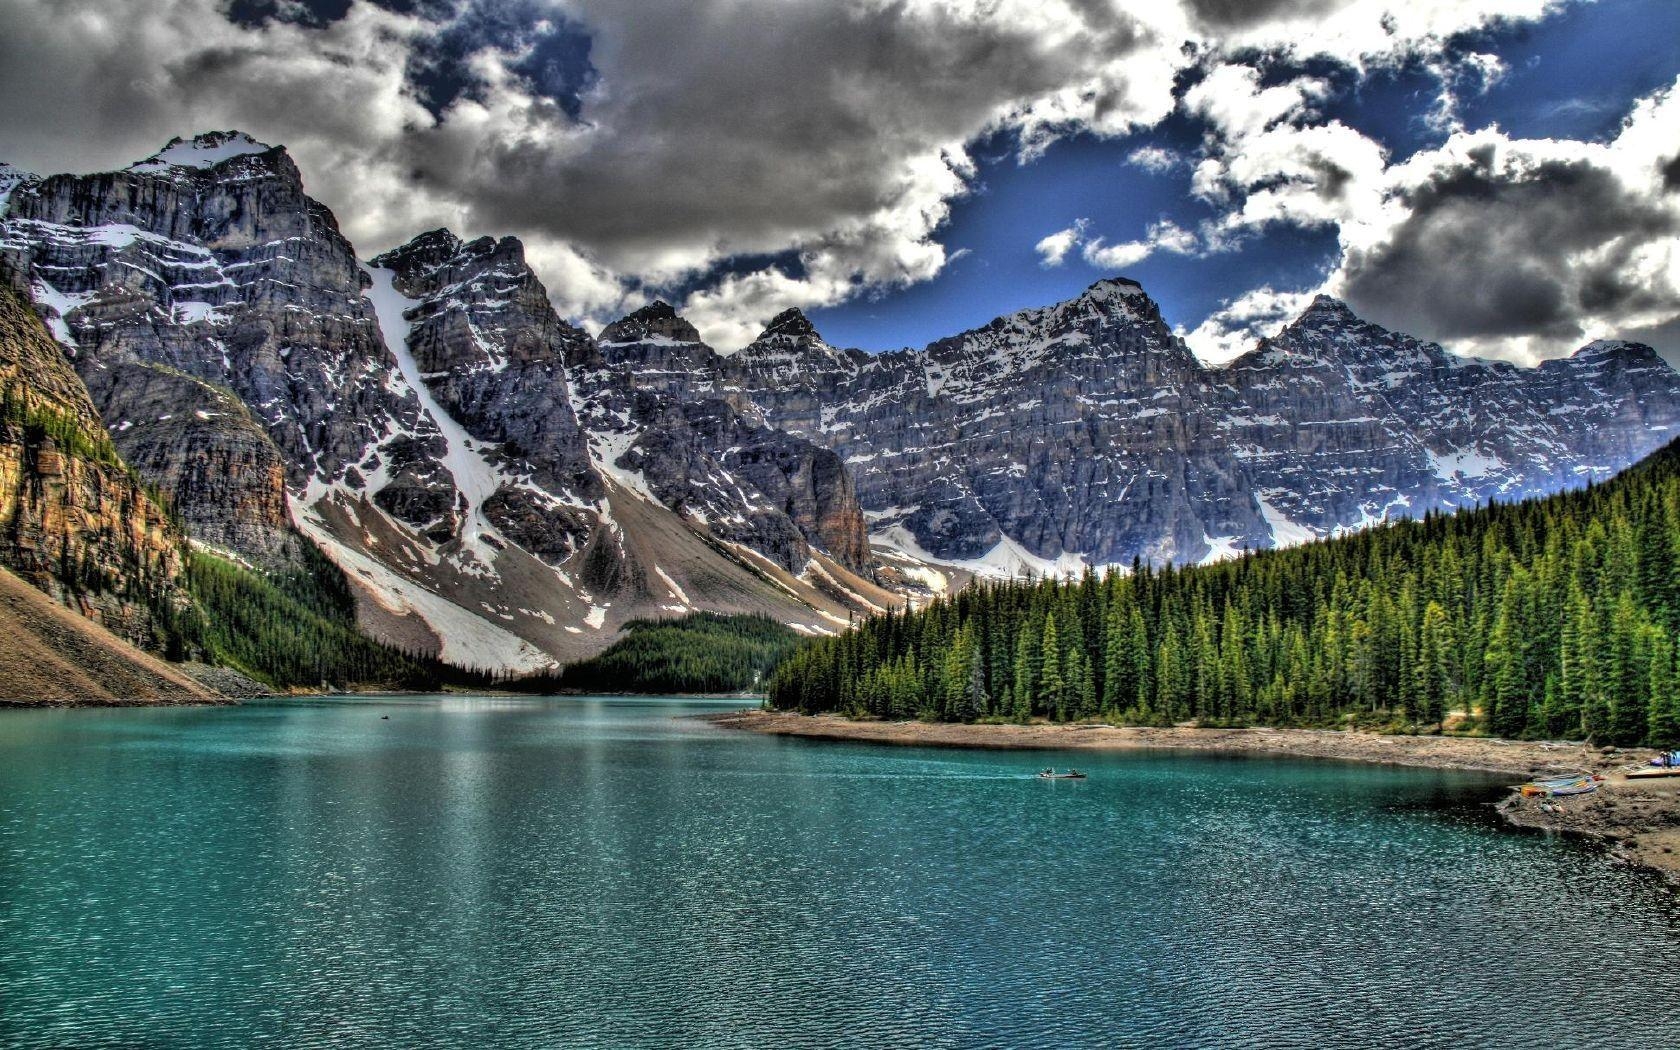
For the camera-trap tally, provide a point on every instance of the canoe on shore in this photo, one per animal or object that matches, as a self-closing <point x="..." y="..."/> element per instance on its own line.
<point x="1653" y="772"/>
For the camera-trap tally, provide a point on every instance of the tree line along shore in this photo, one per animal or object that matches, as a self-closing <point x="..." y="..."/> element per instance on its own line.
<point x="1553" y="618"/>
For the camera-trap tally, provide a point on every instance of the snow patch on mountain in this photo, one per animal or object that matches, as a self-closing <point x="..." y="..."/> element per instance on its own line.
<point x="1285" y="533"/>
<point x="468" y="639"/>
<point x="676" y="591"/>
<point x="1464" y="463"/>
<point x="476" y="479"/>
<point x="61" y="304"/>
<point x="202" y="151"/>
<point x="1221" y="548"/>
<point x="1006" y="560"/>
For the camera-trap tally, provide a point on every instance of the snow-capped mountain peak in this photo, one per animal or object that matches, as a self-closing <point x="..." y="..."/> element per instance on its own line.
<point x="10" y="179"/>
<point x="791" y="322"/>
<point x="1112" y="288"/>
<point x="202" y="151"/>
<point x="1618" y="352"/>
<point x="657" y="320"/>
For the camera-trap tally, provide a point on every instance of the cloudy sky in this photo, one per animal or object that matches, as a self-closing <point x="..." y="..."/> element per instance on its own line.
<point x="1500" y="175"/>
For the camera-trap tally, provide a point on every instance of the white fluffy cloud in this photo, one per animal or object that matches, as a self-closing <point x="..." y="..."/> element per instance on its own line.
<point x="1527" y="248"/>
<point x="836" y="131"/>
<point x="1162" y="236"/>
<point x="1497" y="246"/>
<point x="1230" y="331"/>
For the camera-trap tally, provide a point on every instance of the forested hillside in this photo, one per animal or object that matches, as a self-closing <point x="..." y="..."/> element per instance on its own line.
<point x="1550" y="618"/>
<point x="292" y="628"/>
<point x="698" y="653"/>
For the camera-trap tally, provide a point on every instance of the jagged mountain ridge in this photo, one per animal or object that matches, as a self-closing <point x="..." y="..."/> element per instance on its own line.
<point x="1086" y="433"/>
<point x="505" y="487"/>
<point x="421" y="407"/>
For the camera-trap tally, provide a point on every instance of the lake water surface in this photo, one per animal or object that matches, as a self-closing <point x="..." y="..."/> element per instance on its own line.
<point x="603" y="872"/>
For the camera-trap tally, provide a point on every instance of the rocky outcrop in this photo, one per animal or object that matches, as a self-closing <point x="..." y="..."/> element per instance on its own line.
<point x="211" y="259"/>
<point x="199" y="445"/>
<point x="1086" y="432"/>
<point x="1077" y="429"/>
<point x="74" y="523"/>
<point x="493" y="354"/>
<point x="656" y="323"/>
<point x="662" y="411"/>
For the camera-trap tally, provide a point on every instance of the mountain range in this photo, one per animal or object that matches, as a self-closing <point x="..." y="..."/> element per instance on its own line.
<point x="506" y="490"/>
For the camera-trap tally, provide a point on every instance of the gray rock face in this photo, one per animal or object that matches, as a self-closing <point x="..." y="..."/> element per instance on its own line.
<point x="1341" y="422"/>
<point x="416" y="416"/>
<point x="198" y="443"/>
<point x="655" y="323"/>
<point x="1087" y="429"/>
<point x="492" y="354"/>
<point x="660" y="409"/>
<point x="1074" y="429"/>
<point x="210" y="259"/>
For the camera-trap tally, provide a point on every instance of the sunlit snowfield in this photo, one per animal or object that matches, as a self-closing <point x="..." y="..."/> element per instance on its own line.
<point x="602" y="872"/>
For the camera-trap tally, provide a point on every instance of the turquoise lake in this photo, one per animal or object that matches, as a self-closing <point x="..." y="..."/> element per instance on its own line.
<point x="583" y="872"/>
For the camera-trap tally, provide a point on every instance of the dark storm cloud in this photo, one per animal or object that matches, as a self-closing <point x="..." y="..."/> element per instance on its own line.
<point x="1664" y="338"/>
<point x="1485" y="253"/>
<point x="642" y="143"/>
<point x="1671" y="174"/>
<point x="1236" y="14"/>
<point x="746" y="142"/>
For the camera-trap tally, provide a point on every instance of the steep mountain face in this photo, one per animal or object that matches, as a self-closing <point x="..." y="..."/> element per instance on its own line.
<point x="1077" y="433"/>
<point x="1087" y="434"/>
<point x="506" y="490"/>
<point x="210" y="258"/>
<point x="199" y="444"/>
<point x="656" y="402"/>
<point x="73" y="522"/>
<point x="416" y="418"/>
<point x="1343" y="423"/>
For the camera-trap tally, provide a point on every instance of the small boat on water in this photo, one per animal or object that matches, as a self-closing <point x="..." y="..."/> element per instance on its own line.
<point x="1051" y="774"/>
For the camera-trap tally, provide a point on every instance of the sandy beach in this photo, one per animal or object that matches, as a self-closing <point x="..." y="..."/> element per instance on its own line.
<point x="1638" y="820"/>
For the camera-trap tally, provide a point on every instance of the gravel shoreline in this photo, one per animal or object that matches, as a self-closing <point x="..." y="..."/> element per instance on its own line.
<point x="1638" y="820"/>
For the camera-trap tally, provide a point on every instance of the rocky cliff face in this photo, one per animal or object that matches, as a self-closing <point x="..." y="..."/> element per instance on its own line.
<point x="1078" y="432"/>
<point x="73" y="522"/>
<point x="211" y="259"/>
<point x="421" y="412"/>
<point x="1086" y="433"/>
<point x="1342" y="423"/>
<point x="198" y="443"/>
<point x="658" y="405"/>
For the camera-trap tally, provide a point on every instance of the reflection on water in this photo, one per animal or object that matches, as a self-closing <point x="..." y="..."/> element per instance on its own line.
<point x="495" y="871"/>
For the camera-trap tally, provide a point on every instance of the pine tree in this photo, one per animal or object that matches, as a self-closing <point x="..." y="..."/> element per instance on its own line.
<point x="1052" y="685"/>
<point x="1663" y="709"/>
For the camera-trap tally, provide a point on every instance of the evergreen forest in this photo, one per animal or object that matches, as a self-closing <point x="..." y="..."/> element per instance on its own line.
<point x="698" y="653"/>
<point x="1552" y="618"/>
